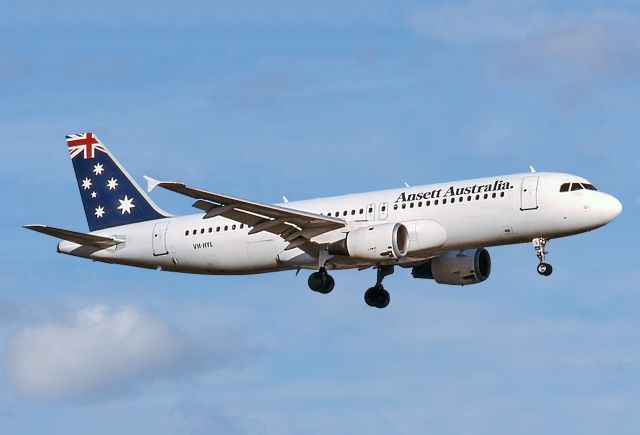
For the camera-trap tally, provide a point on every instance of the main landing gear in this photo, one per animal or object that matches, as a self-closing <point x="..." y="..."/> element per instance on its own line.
<point x="539" y="243"/>
<point x="377" y="296"/>
<point x="321" y="281"/>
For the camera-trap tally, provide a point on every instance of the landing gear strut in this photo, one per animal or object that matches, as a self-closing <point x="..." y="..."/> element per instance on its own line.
<point x="544" y="268"/>
<point x="377" y="296"/>
<point x="321" y="281"/>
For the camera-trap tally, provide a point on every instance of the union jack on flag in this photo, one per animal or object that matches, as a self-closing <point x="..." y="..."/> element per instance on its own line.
<point x="85" y="143"/>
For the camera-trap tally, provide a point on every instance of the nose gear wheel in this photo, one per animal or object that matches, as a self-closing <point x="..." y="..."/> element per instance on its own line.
<point x="539" y="244"/>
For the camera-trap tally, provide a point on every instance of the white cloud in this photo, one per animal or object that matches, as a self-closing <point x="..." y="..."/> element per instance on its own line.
<point x="476" y="22"/>
<point x="100" y="351"/>
<point x="536" y="40"/>
<point x="259" y="90"/>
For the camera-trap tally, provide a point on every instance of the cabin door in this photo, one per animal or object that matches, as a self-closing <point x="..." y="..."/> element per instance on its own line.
<point x="529" y="193"/>
<point x="160" y="238"/>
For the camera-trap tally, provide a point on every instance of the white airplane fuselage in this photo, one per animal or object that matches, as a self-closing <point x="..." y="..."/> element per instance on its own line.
<point x="474" y="213"/>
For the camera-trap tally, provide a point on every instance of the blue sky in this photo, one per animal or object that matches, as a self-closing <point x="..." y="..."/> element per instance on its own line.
<point x="305" y="99"/>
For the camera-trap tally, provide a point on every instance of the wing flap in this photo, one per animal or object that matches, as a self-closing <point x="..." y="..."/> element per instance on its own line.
<point x="76" y="237"/>
<point x="262" y="217"/>
<point x="297" y="227"/>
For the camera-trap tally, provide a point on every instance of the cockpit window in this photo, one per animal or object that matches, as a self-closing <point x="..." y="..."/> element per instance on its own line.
<point x="566" y="187"/>
<point x="576" y="186"/>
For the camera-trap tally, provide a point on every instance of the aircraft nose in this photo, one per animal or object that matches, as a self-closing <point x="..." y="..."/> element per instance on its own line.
<point x="610" y="206"/>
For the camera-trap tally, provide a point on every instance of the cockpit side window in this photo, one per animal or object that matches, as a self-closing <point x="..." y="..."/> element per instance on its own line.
<point x="576" y="186"/>
<point x="589" y="186"/>
<point x="565" y="187"/>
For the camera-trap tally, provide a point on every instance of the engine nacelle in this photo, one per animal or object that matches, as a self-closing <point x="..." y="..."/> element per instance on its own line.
<point x="457" y="267"/>
<point x="374" y="242"/>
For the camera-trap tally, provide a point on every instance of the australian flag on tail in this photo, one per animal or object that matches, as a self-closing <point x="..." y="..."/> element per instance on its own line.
<point x="109" y="195"/>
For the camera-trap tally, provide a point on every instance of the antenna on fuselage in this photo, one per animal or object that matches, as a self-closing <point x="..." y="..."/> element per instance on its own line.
<point x="406" y="184"/>
<point x="532" y="169"/>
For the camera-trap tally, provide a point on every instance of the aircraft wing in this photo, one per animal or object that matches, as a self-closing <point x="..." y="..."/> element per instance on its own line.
<point x="75" y="237"/>
<point x="295" y="226"/>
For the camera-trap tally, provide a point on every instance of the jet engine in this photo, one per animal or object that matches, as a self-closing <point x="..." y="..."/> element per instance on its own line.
<point x="469" y="266"/>
<point x="374" y="242"/>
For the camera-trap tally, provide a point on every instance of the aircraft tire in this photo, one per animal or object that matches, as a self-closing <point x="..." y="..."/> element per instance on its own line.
<point x="327" y="284"/>
<point x="545" y="269"/>
<point x="315" y="281"/>
<point x="377" y="297"/>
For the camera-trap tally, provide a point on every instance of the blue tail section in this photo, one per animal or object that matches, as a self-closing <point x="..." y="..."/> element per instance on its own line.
<point x="109" y="195"/>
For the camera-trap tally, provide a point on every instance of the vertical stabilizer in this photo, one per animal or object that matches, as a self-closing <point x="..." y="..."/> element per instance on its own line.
<point x="109" y="195"/>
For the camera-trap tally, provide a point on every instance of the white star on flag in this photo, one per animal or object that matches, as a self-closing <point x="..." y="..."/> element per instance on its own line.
<point x="93" y="194"/>
<point x="126" y="205"/>
<point x="86" y="183"/>
<point x="99" y="211"/>
<point x="97" y="169"/>
<point x="112" y="183"/>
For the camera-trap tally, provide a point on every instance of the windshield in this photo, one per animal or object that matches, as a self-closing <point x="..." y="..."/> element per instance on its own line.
<point x="566" y="187"/>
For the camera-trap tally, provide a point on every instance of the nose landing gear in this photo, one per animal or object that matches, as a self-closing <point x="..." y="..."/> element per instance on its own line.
<point x="377" y="296"/>
<point x="539" y="244"/>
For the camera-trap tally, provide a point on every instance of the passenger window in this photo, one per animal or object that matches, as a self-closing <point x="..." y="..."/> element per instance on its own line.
<point x="194" y="232"/>
<point x="419" y="203"/>
<point x="186" y="233"/>
<point x="435" y="202"/>
<point x="576" y="186"/>
<point x="384" y="208"/>
<point x="217" y="229"/>
<point x="428" y="203"/>
<point x="202" y="231"/>
<point x="353" y="212"/>
<point x="226" y="227"/>
<point x="371" y="209"/>
<point x="233" y="227"/>
<point x="404" y="206"/>
<point x="501" y="194"/>
<point x="565" y="187"/>
<point x="344" y="213"/>
<point x="395" y="206"/>
<point x="210" y="229"/>
<point x="444" y="201"/>
<point x="362" y="210"/>
<point x="329" y="214"/>
<point x="453" y="200"/>
<point x="477" y="197"/>
<point x="486" y="195"/>
<point x="411" y="205"/>
<point x="493" y="195"/>
<point x="469" y="198"/>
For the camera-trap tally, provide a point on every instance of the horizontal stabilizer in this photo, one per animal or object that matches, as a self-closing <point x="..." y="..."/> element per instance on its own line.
<point x="75" y="237"/>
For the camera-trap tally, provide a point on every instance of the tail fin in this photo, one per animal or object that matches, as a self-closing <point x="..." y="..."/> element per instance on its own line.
<point x="109" y="195"/>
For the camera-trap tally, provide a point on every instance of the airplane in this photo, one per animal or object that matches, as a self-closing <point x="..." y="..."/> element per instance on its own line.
<point x="439" y="231"/>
